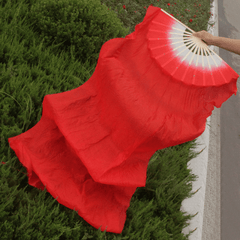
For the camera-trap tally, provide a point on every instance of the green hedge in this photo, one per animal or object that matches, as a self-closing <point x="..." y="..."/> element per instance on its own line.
<point x="31" y="68"/>
<point x="85" y="25"/>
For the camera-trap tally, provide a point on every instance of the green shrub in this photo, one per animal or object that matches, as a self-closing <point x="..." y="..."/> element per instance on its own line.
<point x="83" y="25"/>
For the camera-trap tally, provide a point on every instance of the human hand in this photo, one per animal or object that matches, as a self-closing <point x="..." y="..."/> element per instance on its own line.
<point x="207" y="37"/>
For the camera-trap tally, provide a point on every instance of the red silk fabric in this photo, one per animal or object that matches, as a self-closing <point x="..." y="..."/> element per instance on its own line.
<point x="92" y="146"/>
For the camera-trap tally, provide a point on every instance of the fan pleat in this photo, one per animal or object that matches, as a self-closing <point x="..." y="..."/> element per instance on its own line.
<point x="184" y="58"/>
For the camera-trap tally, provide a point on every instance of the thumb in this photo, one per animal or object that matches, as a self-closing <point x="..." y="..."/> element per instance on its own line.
<point x="196" y="34"/>
<point x="204" y="36"/>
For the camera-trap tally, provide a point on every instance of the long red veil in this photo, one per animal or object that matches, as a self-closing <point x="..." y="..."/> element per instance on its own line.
<point x="92" y="145"/>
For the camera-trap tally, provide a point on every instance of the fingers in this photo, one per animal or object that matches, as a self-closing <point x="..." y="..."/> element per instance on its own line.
<point x="203" y="35"/>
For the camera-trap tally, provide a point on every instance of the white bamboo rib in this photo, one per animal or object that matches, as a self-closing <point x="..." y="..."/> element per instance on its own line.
<point x="180" y="30"/>
<point x="194" y="54"/>
<point x="184" y="36"/>
<point x="183" y="45"/>
<point x="177" y="20"/>
<point x="191" y="34"/>
<point x="198" y="55"/>
<point x="198" y="50"/>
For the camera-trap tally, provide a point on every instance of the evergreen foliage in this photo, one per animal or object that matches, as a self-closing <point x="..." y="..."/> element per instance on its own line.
<point x="37" y="57"/>
<point x="154" y="213"/>
<point x="81" y="27"/>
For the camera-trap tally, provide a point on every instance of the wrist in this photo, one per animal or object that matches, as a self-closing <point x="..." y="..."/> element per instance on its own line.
<point x="215" y="41"/>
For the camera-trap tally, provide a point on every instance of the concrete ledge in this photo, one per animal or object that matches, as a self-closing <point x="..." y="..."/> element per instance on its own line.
<point x="195" y="204"/>
<point x="206" y="202"/>
<point x="212" y="209"/>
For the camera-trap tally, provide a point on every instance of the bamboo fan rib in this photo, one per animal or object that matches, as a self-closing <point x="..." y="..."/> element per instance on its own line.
<point x="183" y="56"/>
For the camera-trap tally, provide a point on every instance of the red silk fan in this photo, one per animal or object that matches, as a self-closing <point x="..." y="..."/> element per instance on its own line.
<point x="149" y="91"/>
<point x="184" y="57"/>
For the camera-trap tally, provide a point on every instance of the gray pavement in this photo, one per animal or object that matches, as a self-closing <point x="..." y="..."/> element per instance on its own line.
<point x="211" y="229"/>
<point x="221" y="219"/>
<point x="229" y="26"/>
